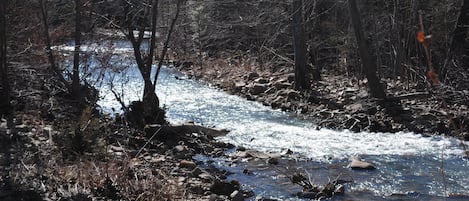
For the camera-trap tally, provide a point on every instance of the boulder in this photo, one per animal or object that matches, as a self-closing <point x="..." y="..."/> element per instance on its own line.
<point x="293" y="95"/>
<point x="252" y="75"/>
<point x="238" y="86"/>
<point x="257" y="89"/>
<point x="187" y="164"/>
<point x="224" y="188"/>
<point x="281" y="84"/>
<point x="290" y="94"/>
<point x="273" y="161"/>
<point x="261" y="80"/>
<point x="358" y="164"/>
<point x="353" y="108"/>
<point x="282" y="93"/>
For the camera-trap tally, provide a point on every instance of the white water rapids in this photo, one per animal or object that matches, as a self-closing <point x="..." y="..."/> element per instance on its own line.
<point x="407" y="162"/>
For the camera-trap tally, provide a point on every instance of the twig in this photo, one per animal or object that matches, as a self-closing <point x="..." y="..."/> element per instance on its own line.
<point x="86" y="125"/>
<point x="26" y="49"/>
<point x="410" y="96"/>
<point x="276" y="54"/>
<point x="148" y="141"/>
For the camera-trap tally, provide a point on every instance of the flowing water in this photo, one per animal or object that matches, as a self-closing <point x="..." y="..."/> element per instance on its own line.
<point x="409" y="166"/>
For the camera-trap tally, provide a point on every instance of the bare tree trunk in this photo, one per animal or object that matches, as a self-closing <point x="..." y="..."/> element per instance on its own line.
<point x="151" y="110"/>
<point x="50" y="55"/>
<point x="76" y="54"/>
<point x="5" y="86"/>
<point x="458" y="55"/>
<point x="166" y="43"/>
<point x="302" y="80"/>
<point x="369" y="66"/>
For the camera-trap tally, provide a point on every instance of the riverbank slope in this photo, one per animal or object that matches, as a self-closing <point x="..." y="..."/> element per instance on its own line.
<point x="339" y="101"/>
<point x="54" y="150"/>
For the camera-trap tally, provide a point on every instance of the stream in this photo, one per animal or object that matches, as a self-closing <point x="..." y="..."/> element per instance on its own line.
<point x="409" y="166"/>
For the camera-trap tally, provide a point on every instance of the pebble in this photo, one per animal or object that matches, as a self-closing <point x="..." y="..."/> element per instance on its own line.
<point x="187" y="164"/>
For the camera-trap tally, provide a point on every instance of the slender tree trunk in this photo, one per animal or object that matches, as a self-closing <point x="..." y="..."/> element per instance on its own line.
<point x="302" y="80"/>
<point x="376" y="89"/>
<point x="151" y="110"/>
<point x="76" y="54"/>
<point x="458" y="55"/>
<point x="50" y="55"/>
<point x="5" y="86"/>
<point x="166" y="42"/>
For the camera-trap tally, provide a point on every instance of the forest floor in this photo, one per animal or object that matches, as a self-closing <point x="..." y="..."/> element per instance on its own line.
<point x="338" y="101"/>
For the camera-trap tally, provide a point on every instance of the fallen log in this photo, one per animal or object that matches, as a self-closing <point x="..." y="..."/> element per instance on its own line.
<point x="167" y="131"/>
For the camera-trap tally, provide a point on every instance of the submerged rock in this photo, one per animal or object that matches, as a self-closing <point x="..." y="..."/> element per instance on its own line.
<point x="224" y="188"/>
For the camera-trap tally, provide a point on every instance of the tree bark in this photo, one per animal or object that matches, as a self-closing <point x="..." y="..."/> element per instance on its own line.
<point x="76" y="54"/>
<point x="302" y="80"/>
<point x="369" y="66"/>
<point x="50" y="55"/>
<point x="166" y="43"/>
<point x="151" y="106"/>
<point x="5" y="86"/>
<point x="458" y="55"/>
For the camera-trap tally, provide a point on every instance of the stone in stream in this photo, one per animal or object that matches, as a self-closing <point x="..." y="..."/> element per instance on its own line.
<point x="260" y="198"/>
<point x="358" y="164"/>
<point x="224" y="188"/>
<point x="273" y="161"/>
<point x="236" y="196"/>
<point x="204" y="175"/>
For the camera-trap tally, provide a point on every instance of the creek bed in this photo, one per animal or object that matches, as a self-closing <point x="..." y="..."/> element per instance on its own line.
<point x="409" y="165"/>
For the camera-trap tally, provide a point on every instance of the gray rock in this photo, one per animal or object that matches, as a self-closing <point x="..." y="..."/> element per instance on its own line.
<point x="238" y="86"/>
<point x="282" y="84"/>
<point x="224" y="188"/>
<point x="236" y="196"/>
<point x="273" y="161"/>
<point x="187" y="164"/>
<point x="179" y="148"/>
<point x="357" y="164"/>
<point x="293" y="95"/>
<point x="257" y="88"/>
<point x="206" y="177"/>
<point x="261" y="80"/>
<point x="252" y="75"/>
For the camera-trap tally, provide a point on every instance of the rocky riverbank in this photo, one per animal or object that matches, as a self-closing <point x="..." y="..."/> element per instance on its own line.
<point x="340" y="101"/>
<point x="53" y="150"/>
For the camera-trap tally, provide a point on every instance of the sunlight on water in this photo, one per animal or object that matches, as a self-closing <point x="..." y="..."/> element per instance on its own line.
<point x="406" y="162"/>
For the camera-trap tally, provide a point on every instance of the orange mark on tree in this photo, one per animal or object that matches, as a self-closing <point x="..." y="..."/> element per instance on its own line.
<point x="433" y="76"/>
<point x="421" y="37"/>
